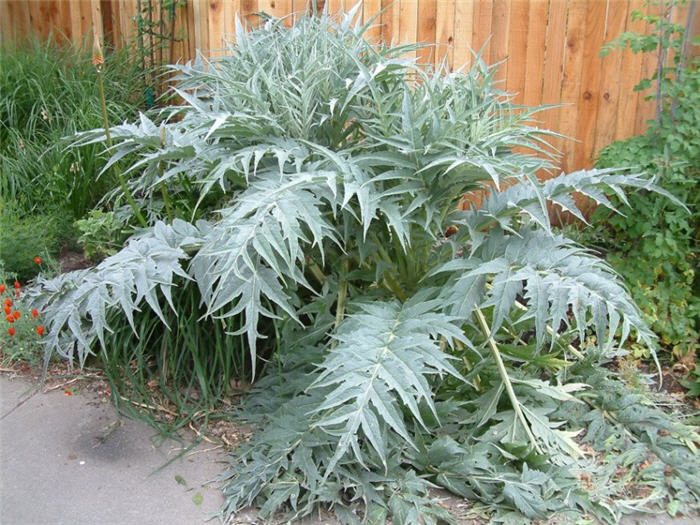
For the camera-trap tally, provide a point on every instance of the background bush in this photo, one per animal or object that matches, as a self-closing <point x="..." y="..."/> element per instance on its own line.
<point x="655" y="244"/>
<point x="24" y="237"/>
<point x="50" y="92"/>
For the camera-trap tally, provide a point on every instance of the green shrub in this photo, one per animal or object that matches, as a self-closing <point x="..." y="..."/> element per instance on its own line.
<point x="390" y="357"/>
<point x="101" y="234"/>
<point x="654" y="245"/>
<point x="22" y="238"/>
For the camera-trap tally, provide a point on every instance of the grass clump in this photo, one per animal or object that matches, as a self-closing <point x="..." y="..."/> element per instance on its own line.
<point x="184" y="375"/>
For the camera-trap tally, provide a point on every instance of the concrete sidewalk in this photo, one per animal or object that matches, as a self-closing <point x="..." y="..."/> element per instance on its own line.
<point x="72" y="460"/>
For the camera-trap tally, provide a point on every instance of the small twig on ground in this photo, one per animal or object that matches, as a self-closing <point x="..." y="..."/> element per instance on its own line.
<point x="150" y="407"/>
<point x="217" y="447"/>
<point x="200" y="434"/>
<point x="61" y="385"/>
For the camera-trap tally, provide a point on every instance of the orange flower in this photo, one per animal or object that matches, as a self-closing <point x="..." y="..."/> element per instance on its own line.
<point x="10" y="319"/>
<point x="16" y="314"/>
<point x="37" y="259"/>
<point x="40" y="330"/>
<point x="35" y="313"/>
<point x="8" y="310"/>
<point x="12" y="331"/>
<point x="2" y="288"/>
<point x="17" y="285"/>
<point x="8" y="302"/>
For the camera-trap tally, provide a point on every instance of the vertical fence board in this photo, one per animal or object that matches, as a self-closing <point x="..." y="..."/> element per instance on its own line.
<point x="201" y="29"/>
<point x="159" y="20"/>
<point x="609" y="91"/>
<point x="463" y="31"/>
<point x="128" y="9"/>
<point x="190" y="43"/>
<point x="629" y="76"/>
<point x="50" y="18"/>
<point x="16" y="22"/>
<point x="6" y="32"/>
<point x="247" y="8"/>
<point x="335" y="7"/>
<point x="533" y="79"/>
<point x="481" y="33"/>
<point x="97" y="22"/>
<point x="408" y="30"/>
<point x="231" y="10"/>
<point x="177" y="48"/>
<point x="276" y="8"/>
<point x="35" y="23"/>
<point x="86" y="18"/>
<point x="587" y="103"/>
<point x="500" y="27"/>
<point x="557" y="17"/>
<point x="445" y="32"/>
<point x="216" y="25"/>
<point x="517" y="47"/>
<point x="372" y="9"/>
<point x="75" y="23"/>
<point x="390" y="21"/>
<point x="115" y="22"/>
<point x="426" y="31"/>
<point x="296" y="9"/>
<point x="571" y="82"/>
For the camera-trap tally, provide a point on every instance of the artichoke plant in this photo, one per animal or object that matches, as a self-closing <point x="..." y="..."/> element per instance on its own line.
<point x="378" y="233"/>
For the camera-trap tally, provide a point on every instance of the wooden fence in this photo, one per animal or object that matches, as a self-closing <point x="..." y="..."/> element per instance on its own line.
<point x="548" y="48"/>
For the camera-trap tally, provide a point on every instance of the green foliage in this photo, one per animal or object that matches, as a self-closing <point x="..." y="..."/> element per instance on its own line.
<point x="650" y="451"/>
<point x="302" y="191"/>
<point x="654" y="245"/>
<point x="692" y="383"/>
<point x="101" y="234"/>
<point x="49" y="92"/>
<point x="187" y="368"/>
<point x="22" y="238"/>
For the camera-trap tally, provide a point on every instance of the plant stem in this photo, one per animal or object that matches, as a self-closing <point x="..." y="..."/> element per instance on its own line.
<point x="108" y="136"/>
<point x="316" y="271"/>
<point x="395" y="287"/>
<point x="664" y="20"/>
<point x="342" y="293"/>
<point x="163" y="188"/>
<point x="391" y="283"/>
<point x="166" y="201"/>
<point x="400" y="259"/>
<point x="504" y="376"/>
